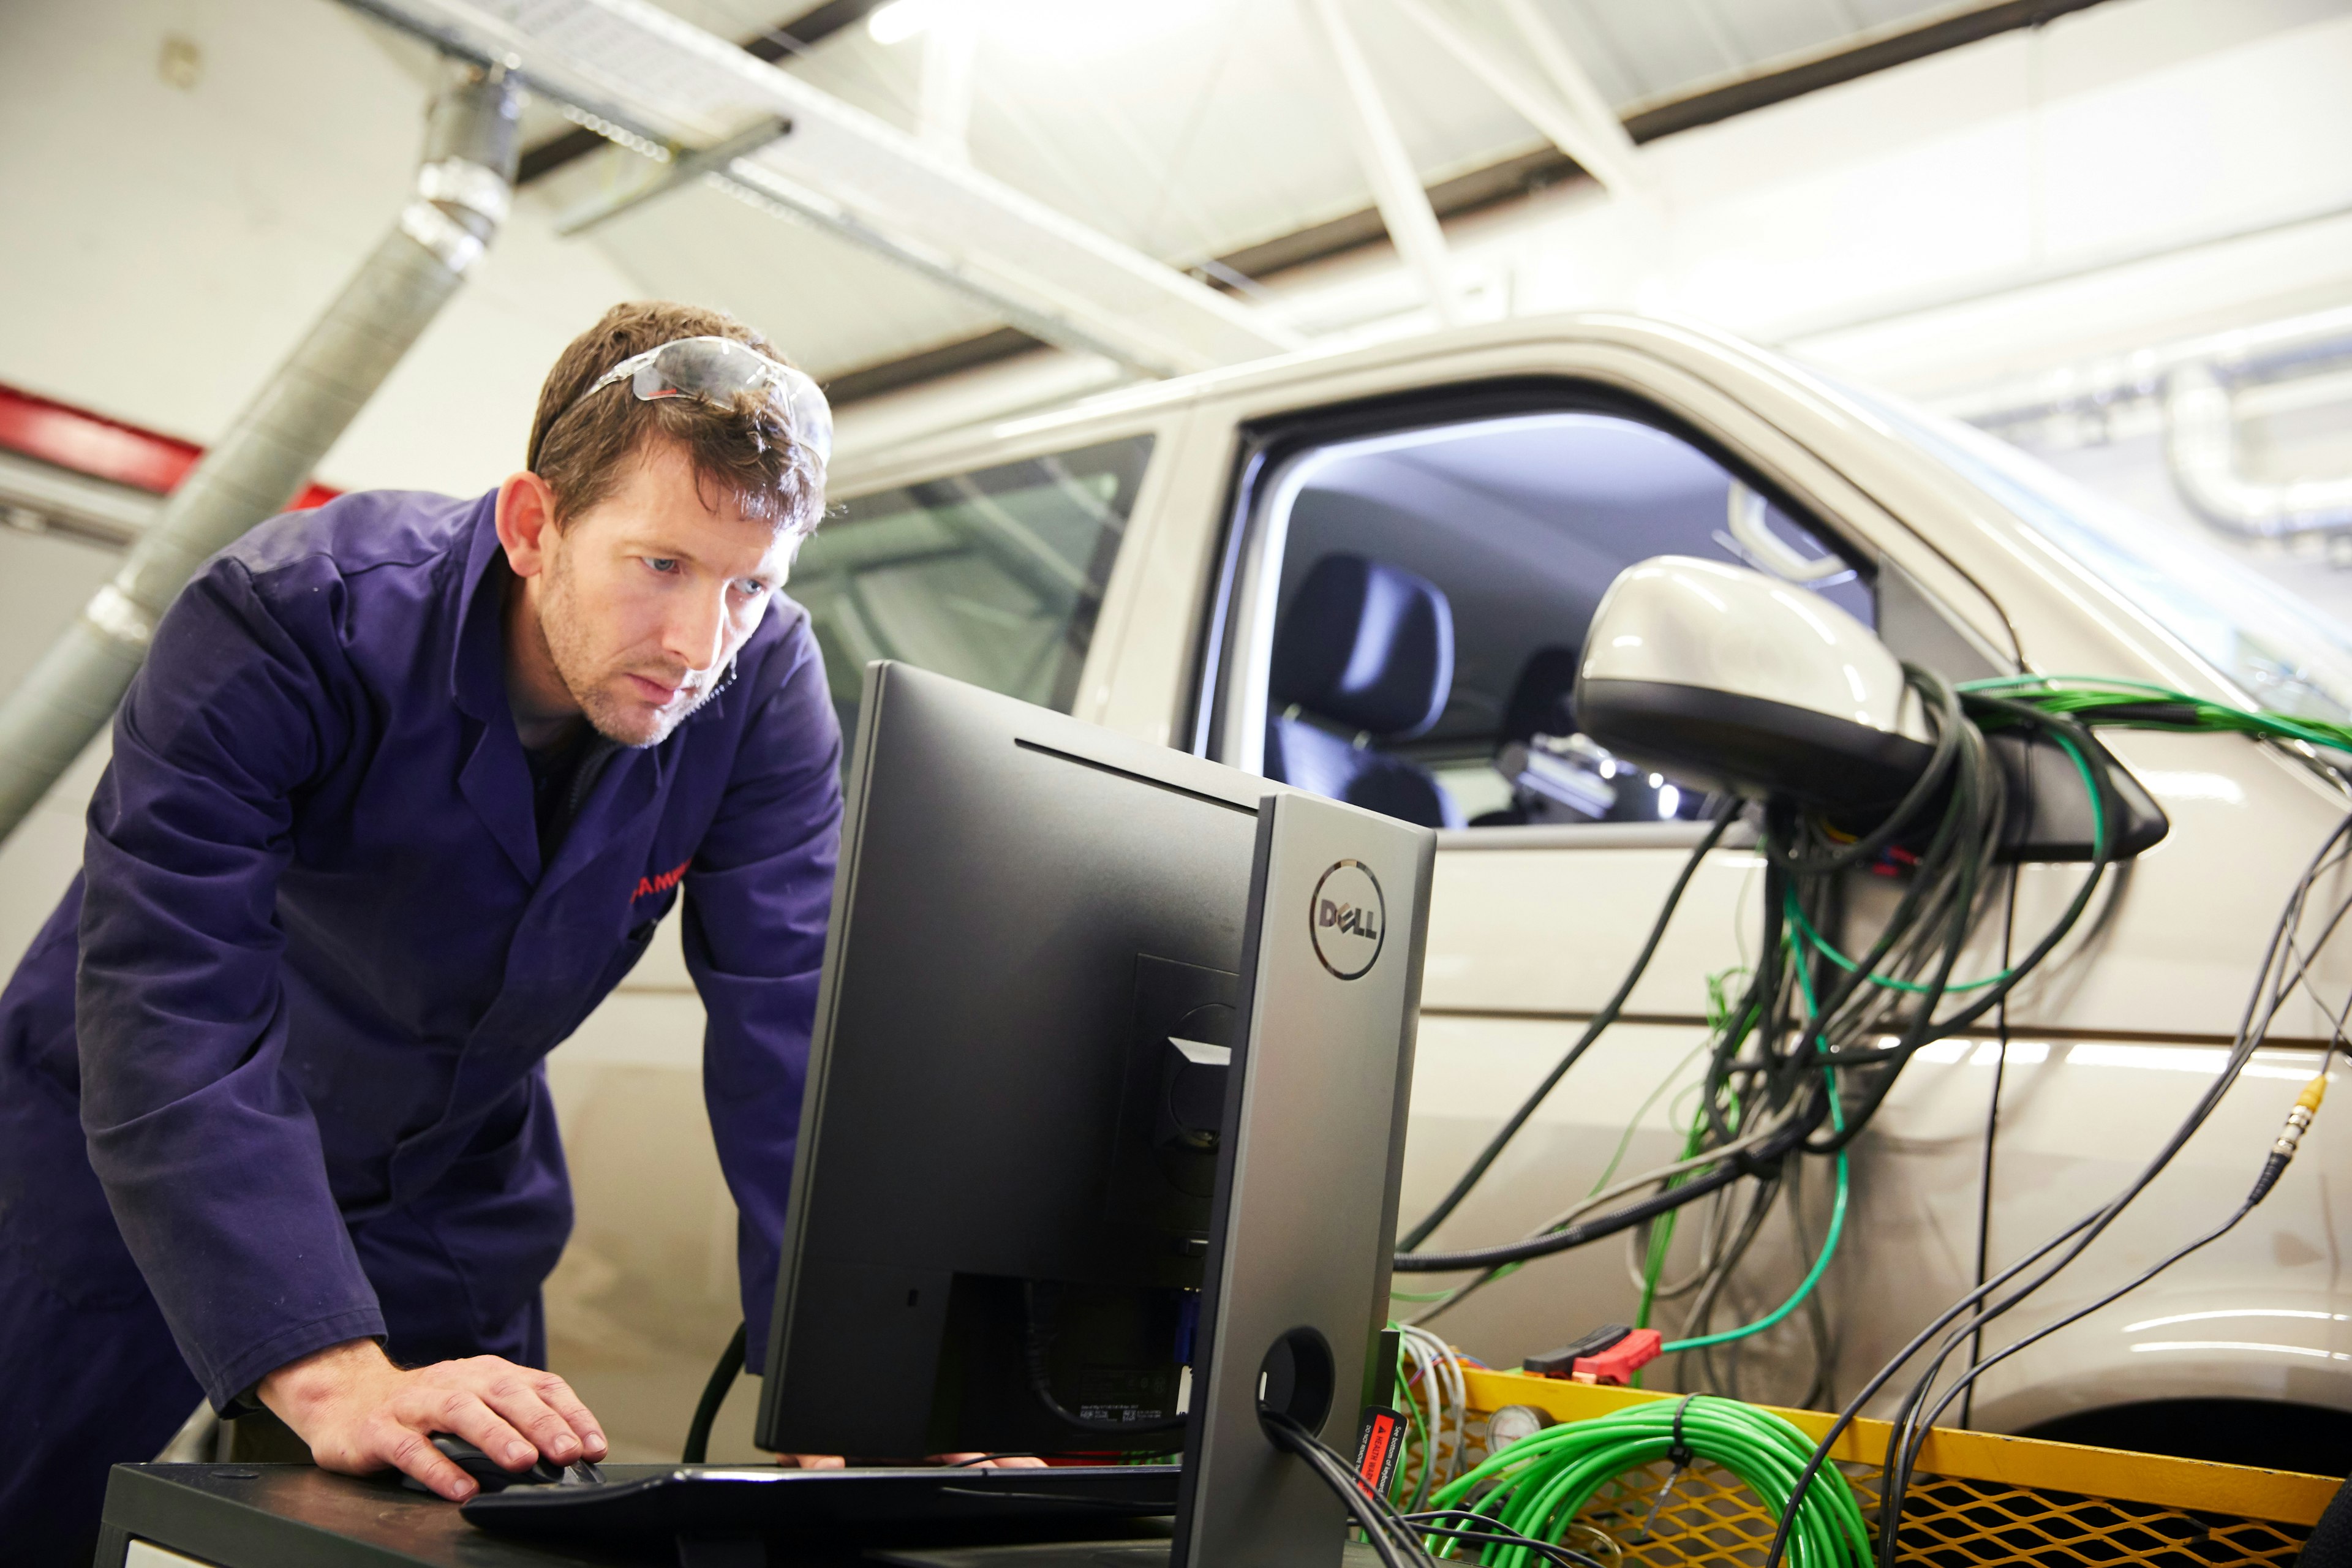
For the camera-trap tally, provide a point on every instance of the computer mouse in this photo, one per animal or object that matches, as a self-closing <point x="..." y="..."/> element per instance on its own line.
<point x="493" y="1476"/>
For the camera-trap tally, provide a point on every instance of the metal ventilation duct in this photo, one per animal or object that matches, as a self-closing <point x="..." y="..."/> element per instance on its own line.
<point x="2196" y="380"/>
<point x="2200" y="448"/>
<point x="460" y="199"/>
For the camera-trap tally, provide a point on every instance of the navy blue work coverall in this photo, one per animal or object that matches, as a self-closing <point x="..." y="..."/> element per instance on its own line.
<point x="270" y="1075"/>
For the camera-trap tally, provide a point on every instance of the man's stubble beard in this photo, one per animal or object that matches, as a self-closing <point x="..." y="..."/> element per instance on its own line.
<point x="563" y="636"/>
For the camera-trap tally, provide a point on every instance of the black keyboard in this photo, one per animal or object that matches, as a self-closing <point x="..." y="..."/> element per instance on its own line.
<point x="659" y="1504"/>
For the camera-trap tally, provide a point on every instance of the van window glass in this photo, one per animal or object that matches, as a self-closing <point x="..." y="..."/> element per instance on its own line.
<point x="2283" y="654"/>
<point x="992" y="576"/>
<point x="1507" y="530"/>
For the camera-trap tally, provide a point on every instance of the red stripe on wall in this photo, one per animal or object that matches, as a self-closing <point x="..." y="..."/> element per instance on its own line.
<point x="86" y="443"/>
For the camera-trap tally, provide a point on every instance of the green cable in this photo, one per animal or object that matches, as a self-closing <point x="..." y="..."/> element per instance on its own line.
<point x="1661" y="1235"/>
<point x="1812" y="1278"/>
<point x="2087" y="694"/>
<point x="1837" y="1214"/>
<point x="1819" y="944"/>
<point x="1539" y="1484"/>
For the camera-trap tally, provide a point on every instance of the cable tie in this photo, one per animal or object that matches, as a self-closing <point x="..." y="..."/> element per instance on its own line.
<point x="1681" y="1457"/>
<point x="1679" y="1451"/>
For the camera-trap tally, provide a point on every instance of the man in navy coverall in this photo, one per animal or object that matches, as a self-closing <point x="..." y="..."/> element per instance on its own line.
<point x="401" y="793"/>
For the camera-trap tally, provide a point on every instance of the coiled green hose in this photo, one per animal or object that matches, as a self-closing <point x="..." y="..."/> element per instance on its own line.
<point x="1538" y="1485"/>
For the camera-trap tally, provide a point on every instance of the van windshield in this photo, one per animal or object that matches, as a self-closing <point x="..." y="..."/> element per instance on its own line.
<point x="2285" y="656"/>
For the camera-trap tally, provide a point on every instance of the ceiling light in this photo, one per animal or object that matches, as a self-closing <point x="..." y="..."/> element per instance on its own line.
<point x="1057" y="32"/>
<point x="901" y="19"/>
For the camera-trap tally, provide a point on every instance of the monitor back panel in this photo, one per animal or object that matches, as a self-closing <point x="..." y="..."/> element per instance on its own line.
<point x="1027" y="907"/>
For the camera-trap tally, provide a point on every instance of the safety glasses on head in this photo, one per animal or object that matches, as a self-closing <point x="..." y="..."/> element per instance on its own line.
<point x="718" y="370"/>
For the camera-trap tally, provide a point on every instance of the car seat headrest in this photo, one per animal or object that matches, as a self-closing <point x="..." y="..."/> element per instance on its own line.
<point x="1542" y="700"/>
<point x="1367" y="645"/>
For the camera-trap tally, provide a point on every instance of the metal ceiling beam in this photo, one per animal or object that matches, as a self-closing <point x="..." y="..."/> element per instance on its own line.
<point x="1396" y="191"/>
<point x="647" y="71"/>
<point x="1597" y="142"/>
<point x="782" y="41"/>
<point x="1512" y="179"/>
<point x="684" y="170"/>
<point x="763" y="188"/>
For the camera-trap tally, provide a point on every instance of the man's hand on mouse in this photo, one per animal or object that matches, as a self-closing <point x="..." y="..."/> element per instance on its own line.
<point x="360" y="1414"/>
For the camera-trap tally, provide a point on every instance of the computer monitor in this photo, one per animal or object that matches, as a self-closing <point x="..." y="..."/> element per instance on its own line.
<point x="1108" y="1076"/>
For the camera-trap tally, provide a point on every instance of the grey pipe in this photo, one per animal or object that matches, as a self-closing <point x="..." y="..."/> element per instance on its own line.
<point x="2200" y="448"/>
<point x="461" y="196"/>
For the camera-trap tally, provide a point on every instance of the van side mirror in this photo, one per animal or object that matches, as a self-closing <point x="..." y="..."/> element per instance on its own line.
<point x="1734" y="681"/>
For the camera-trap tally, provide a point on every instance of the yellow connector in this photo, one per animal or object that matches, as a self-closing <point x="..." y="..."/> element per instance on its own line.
<point x="2307" y="1106"/>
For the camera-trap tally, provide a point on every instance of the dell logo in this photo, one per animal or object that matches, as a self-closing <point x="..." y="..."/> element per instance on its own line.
<point x="1352" y="920"/>
<point x="1348" y="919"/>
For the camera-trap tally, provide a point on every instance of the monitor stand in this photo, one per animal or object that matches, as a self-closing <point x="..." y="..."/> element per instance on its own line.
<point x="1295" y="1284"/>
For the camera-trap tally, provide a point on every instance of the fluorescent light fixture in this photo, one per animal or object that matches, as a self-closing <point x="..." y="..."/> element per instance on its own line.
<point x="901" y="20"/>
<point x="1052" y="30"/>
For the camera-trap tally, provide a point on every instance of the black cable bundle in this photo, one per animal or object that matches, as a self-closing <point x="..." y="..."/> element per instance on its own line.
<point x="1809" y="1017"/>
<point x="2285" y="968"/>
<point x="1401" y="1539"/>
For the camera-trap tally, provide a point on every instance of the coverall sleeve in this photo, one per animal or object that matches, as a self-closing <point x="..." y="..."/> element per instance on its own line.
<point x="757" y="896"/>
<point x="209" y="1156"/>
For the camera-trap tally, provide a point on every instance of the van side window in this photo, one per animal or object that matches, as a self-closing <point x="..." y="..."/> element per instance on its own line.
<point x="1410" y="610"/>
<point x="993" y="576"/>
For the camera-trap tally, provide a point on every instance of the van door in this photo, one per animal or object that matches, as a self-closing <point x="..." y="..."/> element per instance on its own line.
<point x="1396" y="619"/>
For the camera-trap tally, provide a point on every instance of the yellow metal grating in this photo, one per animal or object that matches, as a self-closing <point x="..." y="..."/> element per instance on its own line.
<point x="1980" y="1501"/>
<point x="1953" y="1523"/>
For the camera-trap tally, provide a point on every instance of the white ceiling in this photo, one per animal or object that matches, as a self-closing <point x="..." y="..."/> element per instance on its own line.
<point x="1187" y="129"/>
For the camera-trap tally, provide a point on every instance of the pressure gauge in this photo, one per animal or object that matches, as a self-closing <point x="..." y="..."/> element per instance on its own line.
<point x="1513" y="1422"/>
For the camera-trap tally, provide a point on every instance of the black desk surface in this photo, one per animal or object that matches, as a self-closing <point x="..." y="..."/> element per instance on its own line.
<point x="263" y="1516"/>
<point x="295" y="1516"/>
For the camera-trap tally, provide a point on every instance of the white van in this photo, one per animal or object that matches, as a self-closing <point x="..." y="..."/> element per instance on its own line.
<point x="1148" y="561"/>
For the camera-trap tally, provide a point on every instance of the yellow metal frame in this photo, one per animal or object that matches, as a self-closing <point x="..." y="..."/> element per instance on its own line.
<point x="2025" y="1463"/>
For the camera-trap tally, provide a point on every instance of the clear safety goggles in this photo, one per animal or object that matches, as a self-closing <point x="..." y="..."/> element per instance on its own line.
<point x="720" y="370"/>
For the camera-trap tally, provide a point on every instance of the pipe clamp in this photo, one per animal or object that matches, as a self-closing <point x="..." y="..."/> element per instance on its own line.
<point x="119" y="617"/>
<point x="441" y="235"/>
<point x="462" y="182"/>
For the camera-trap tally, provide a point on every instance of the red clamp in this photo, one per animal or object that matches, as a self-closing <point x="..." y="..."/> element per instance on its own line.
<point x="1620" y="1360"/>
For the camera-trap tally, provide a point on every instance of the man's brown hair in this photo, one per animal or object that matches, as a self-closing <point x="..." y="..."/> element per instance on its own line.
<point x="745" y="452"/>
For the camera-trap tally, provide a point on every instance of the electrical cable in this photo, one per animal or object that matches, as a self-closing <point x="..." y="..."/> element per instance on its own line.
<point x="1592" y="1032"/>
<point x="714" y="1395"/>
<point x="1790" y="1135"/>
<point x="1910" y="1430"/>
<point x="2087" y="1228"/>
<point x="1822" y="1030"/>
<point x="1993" y="1128"/>
<point x="1590" y="1202"/>
<point x="1567" y="1556"/>
<point x="1538" y="1484"/>
<point x="1380" y="1521"/>
<point x="1906" y="1443"/>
